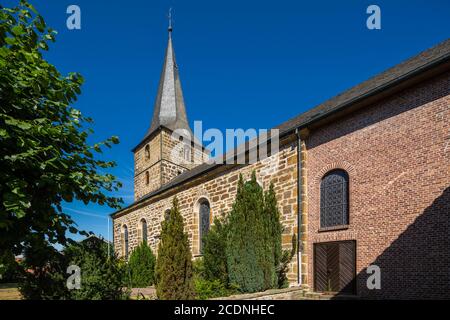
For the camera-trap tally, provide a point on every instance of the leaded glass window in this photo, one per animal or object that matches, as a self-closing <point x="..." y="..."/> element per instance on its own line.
<point x="125" y="241"/>
<point x="204" y="221"/>
<point x="334" y="199"/>
<point x="167" y="214"/>
<point x="144" y="230"/>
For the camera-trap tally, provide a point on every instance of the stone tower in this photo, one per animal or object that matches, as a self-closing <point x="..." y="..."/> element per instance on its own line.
<point x="169" y="147"/>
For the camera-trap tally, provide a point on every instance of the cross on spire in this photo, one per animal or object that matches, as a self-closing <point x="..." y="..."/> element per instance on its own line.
<point x="169" y="17"/>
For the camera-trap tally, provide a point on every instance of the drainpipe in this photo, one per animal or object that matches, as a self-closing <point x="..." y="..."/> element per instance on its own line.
<point x="302" y="203"/>
<point x="299" y="208"/>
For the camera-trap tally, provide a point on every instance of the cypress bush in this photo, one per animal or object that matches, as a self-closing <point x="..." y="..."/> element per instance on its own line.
<point x="214" y="252"/>
<point x="142" y="266"/>
<point x="254" y="257"/>
<point x="273" y="230"/>
<point x="247" y="247"/>
<point x="174" y="276"/>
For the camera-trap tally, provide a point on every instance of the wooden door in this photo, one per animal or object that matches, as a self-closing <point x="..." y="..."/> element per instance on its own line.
<point x="334" y="267"/>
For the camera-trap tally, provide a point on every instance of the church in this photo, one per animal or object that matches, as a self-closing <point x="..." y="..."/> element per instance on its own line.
<point x="362" y="181"/>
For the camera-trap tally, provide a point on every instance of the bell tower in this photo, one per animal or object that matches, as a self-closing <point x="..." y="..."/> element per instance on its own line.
<point x="169" y="147"/>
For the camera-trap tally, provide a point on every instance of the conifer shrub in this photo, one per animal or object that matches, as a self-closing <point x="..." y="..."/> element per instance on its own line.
<point x="207" y="287"/>
<point x="251" y="240"/>
<point x="174" y="274"/>
<point x="142" y="266"/>
<point x="214" y="252"/>
<point x="250" y="258"/>
<point x="273" y="232"/>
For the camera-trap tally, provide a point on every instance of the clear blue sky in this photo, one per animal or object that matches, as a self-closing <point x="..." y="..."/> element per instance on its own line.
<point x="243" y="64"/>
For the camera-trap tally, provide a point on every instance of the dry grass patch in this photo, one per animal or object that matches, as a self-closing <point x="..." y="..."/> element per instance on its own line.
<point x="9" y="291"/>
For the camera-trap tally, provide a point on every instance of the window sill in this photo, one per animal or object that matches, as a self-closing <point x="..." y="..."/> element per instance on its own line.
<point x="334" y="228"/>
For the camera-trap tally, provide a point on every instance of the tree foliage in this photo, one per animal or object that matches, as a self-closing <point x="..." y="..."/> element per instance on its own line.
<point x="102" y="273"/>
<point x="9" y="269"/>
<point x="44" y="276"/>
<point x="45" y="157"/>
<point x="253" y="241"/>
<point x="245" y="239"/>
<point x="214" y="252"/>
<point x="174" y="276"/>
<point x="273" y="232"/>
<point x="142" y="266"/>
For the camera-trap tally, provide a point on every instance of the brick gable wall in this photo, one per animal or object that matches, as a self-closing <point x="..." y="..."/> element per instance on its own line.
<point x="399" y="166"/>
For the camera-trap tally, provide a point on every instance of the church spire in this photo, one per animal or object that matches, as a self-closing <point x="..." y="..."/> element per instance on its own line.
<point x="169" y="109"/>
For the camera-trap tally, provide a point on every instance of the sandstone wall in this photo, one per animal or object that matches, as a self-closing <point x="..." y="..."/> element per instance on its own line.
<point x="220" y="191"/>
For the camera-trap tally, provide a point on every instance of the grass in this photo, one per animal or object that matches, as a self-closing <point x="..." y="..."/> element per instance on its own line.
<point x="9" y="291"/>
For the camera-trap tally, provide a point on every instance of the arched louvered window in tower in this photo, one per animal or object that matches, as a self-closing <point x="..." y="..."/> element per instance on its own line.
<point x="334" y="199"/>
<point x="147" y="152"/>
<point x="204" y="212"/>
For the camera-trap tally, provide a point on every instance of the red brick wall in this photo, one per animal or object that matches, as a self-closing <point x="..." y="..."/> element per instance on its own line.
<point x="397" y="154"/>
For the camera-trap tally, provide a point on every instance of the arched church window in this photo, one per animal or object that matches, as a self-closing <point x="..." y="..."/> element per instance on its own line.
<point x="147" y="152"/>
<point x="204" y="212"/>
<point x="125" y="241"/>
<point x="187" y="153"/>
<point x="144" y="230"/>
<point x="334" y="197"/>
<point x="167" y="214"/>
<point x="147" y="178"/>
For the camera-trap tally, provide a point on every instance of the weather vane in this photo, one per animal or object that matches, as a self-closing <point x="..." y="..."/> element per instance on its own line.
<point x="169" y="16"/>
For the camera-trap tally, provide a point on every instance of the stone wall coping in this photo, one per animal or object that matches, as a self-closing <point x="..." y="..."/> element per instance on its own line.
<point x="270" y="292"/>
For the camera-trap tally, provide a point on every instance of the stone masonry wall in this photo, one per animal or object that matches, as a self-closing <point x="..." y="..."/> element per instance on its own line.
<point x="167" y="159"/>
<point x="397" y="155"/>
<point x="142" y="164"/>
<point x="220" y="191"/>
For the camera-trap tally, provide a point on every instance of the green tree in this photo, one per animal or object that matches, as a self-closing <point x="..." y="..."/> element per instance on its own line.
<point x="214" y="252"/>
<point x="273" y="232"/>
<point x="255" y="260"/>
<point x="45" y="277"/>
<point x="174" y="276"/>
<point x="45" y="157"/>
<point x="9" y="269"/>
<point x="246" y="243"/>
<point x="142" y="266"/>
<point x="102" y="274"/>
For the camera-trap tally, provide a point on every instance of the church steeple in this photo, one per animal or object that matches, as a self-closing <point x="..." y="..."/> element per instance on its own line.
<point x="169" y="109"/>
<point x="160" y="156"/>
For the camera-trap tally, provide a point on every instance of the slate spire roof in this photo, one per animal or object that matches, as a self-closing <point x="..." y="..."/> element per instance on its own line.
<point x="169" y="109"/>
